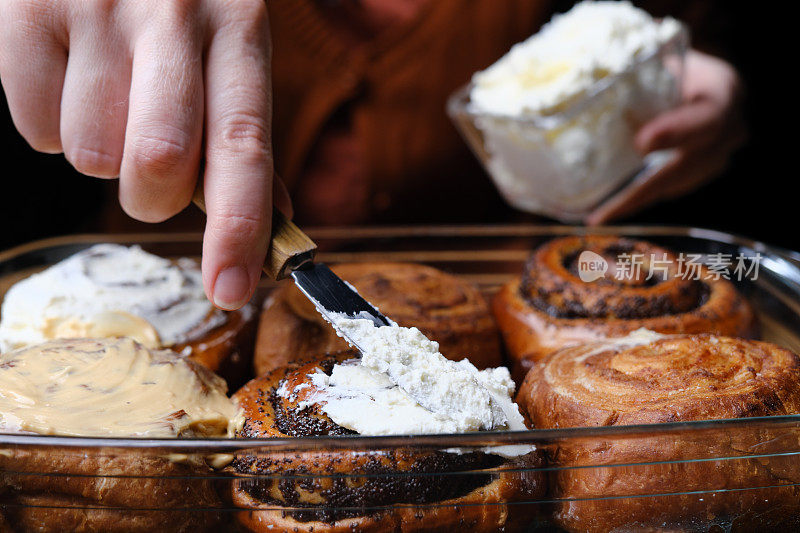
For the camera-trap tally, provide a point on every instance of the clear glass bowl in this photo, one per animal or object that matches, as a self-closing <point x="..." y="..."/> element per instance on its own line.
<point x="738" y="474"/>
<point x="566" y="163"/>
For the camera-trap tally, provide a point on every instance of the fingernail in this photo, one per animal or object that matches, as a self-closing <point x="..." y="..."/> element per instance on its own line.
<point x="232" y="288"/>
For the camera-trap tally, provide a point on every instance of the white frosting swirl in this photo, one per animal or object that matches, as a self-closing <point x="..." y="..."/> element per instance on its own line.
<point x="105" y="291"/>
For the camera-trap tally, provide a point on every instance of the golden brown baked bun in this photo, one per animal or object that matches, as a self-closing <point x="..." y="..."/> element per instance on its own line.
<point x="228" y="348"/>
<point x="69" y="489"/>
<point x="550" y="307"/>
<point x="56" y="514"/>
<point x="445" y="308"/>
<point x="402" y="489"/>
<point x="672" y="379"/>
<point x="108" y="388"/>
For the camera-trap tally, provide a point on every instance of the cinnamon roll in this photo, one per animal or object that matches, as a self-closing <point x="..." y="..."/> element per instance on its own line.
<point x="398" y="489"/>
<point x="702" y="477"/>
<point x="110" y="290"/>
<point x="445" y="308"/>
<point x="550" y="307"/>
<point x="137" y="494"/>
<point x="108" y="388"/>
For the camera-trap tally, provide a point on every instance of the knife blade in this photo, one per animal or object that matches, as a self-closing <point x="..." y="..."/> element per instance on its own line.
<point x="291" y="253"/>
<point x="333" y="296"/>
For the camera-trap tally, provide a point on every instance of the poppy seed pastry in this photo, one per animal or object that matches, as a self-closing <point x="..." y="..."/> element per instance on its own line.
<point x="549" y="306"/>
<point x="445" y="308"/>
<point x="109" y="290"/>
<point x="700" y="479"/>
<point x="396" y="489"/>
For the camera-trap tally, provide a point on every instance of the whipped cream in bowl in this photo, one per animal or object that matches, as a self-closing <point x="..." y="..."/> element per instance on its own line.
<point x="553" y="120"/>
<point x="109" y="290"/>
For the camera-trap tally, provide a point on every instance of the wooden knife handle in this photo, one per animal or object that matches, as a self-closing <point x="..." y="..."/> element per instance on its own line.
<point x="289" y="247"/>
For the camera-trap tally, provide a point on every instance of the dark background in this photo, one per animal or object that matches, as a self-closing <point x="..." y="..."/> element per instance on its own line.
<point x="43" y="196"/>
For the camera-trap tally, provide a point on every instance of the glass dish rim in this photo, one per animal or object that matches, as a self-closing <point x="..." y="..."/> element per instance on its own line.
<point x="437" y="230"/>
<point x="459" y="101"/>
<point x="357" y="442"/>
<point x="496" y="438"/>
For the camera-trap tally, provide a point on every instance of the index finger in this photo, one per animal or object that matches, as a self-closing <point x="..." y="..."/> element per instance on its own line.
<point x="238" y="172"/>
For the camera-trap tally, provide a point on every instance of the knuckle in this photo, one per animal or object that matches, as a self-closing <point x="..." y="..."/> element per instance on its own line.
<point x="248" y="17"/>
<point x="92" y="11"/>
<point x="158" y="155"/>
<point x="93" y="161"/>
<point x="31" y="10"/>
<point x="29" y="19"/>
<point x="157" y="176"/>
<point x="103" y="8"/>
<point x="236" y="228"/>
<point x="244" y="134"/>
<point x="177" y="12"/>
<point x="252" y="11"/>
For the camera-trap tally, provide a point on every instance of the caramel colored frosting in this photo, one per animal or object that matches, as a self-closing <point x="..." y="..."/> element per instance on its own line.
<point x="111" y="388"/>
<point x="106" y="324"/>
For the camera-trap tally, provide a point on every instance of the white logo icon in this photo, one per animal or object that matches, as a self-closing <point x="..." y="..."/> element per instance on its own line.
<point x="591" y="266"/>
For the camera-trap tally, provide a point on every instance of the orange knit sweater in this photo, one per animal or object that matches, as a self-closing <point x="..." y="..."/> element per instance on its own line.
<point x="360" y="130"/>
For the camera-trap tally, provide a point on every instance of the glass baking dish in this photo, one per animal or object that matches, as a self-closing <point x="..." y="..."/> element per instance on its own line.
<point x="724" y="475"/>
<point x="565" y="163"/>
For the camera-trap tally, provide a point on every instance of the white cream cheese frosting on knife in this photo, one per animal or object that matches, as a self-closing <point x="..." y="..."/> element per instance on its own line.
<point x="109" y="290"/>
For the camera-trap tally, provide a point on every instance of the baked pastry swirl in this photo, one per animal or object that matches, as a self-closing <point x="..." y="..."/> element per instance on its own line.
<point x="550" y="307"/>
<point x="108" y="490"/>
<point x="446" y="309"/>
<point x="108" y="388"/>
<point x="644" y="379"/>
<point x="401" y="489"/>
<point x="110" y="290"/>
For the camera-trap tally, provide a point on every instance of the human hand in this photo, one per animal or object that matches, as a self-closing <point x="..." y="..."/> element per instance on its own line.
<point x="704" y="131"/>
<point x="146" y="90"/>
